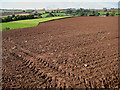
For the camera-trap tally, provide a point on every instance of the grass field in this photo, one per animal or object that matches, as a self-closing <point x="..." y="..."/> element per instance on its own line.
<point x="27" y="23"/>
<point x="44" y="15"/>
<point x="59" y="13"/>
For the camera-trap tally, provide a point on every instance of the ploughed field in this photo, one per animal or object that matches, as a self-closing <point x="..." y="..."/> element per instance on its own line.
<point x="80" y="52"/>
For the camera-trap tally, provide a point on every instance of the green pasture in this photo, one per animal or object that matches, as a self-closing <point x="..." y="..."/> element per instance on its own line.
<point x="44" y="15"/>
<point x="27" y="23"/>
<point x="59" y="13"/>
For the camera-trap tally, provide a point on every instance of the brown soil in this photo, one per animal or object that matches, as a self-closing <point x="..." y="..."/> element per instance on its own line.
<point x="80" y="52"/>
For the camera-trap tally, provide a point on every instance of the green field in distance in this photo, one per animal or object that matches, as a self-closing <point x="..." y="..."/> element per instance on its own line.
<point x="27" y="23"/>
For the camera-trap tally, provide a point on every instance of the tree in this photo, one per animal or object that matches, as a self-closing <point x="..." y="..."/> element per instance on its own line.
<point x="23" y="10"/>
<point x="57" y="11"/>
<point x="91" y="14"/>
<point x="18" y="17"/>
<point x="112" y="8"/>
<point x="3" y="19"/>
<point x="46" y="12"/>
<point x="81" y="9"/>
<point x="14" y="19"/>
<point x="78" y="11"/>
<point x="93" y="11"/>
<point x="52" y="11"/>
<point x="36" y="13"/>
<point x="7" y="28"/>
<point x="50" y="15"/>
<point x="13" y="15"/>
<point x="30" y="16"/>
<point x="9" y="18"/>
<point x="69" y="11"/>
<point x="39" y="15"/>
<point x="81" y="14"/>
<point x="43" y="9"/>
<point x="105" y="10"/>
<point x="98" y="14"/>
<point x="113" y="13"/>
<point x="107" y="14"/>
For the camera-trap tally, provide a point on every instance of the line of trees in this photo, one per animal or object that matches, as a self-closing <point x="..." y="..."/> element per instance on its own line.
<point x="73" y="12"/>
<point x="82" y="12"/>
<point x="17" y="17"/>
<point x="85" y="12"/>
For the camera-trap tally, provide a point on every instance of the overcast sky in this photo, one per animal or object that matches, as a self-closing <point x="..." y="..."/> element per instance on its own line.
<point x="53" y="4"/>
<point x="59" y="0"/>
